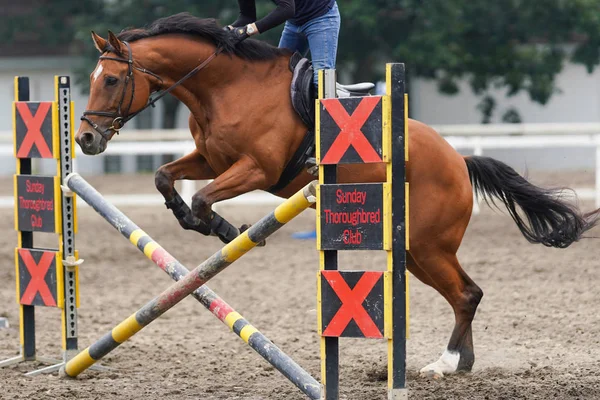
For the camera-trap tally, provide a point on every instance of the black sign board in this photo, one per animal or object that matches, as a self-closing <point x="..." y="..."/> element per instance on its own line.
<point x="33" y="129"/>
<point x="38" y="285"/>
<point x="36" y="206"/>
<point x="351" y="216"/>
<point x="350" y="130"/>
<point x="352" y="304"/>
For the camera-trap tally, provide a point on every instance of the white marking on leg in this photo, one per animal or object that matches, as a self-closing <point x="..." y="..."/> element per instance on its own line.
<point x="447" y="364"/>
<point x="97" y="72"/>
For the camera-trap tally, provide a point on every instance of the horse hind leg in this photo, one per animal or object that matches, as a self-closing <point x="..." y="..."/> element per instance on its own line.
<point x="444" y="273"/>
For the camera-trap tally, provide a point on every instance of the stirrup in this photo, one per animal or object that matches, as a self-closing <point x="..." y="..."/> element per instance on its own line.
<point x="311" y="166"/>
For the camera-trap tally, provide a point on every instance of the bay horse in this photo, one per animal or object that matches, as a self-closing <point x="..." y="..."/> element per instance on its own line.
<point x="246" y="130"/>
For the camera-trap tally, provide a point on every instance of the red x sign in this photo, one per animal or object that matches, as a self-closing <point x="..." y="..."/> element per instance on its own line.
<point x="34" y="134"/>
<point x="352" y="300"/>
<point x="38" y="272"/>
<point x="350" y="130"/>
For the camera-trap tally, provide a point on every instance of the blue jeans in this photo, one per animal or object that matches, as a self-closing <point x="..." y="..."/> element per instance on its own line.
<point x="319" y="35"/>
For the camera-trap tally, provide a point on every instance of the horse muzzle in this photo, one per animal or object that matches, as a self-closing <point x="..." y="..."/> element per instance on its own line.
<point x="91" y="143"/>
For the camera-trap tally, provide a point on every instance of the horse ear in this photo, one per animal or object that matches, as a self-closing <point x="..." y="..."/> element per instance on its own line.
<point x="116" y="44"/>
<point x="99" y="42"/>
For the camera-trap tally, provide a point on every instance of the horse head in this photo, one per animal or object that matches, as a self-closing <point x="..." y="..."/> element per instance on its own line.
<point x="119" y="90"/>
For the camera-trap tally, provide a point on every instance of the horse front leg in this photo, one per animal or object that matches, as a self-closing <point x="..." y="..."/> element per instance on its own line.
<point x="192" y="166"/>
<point x="242" y="177"/>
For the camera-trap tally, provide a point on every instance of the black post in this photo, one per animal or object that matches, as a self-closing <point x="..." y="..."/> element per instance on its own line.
<point x="328" y="175"/>
<point x="396" y="85"/>
<point x="25" y="240"/>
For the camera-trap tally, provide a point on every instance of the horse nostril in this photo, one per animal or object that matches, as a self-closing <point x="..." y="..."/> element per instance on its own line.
<point x="86" y="139"/>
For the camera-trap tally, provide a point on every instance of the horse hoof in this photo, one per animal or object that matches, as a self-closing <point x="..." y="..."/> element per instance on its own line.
<point x="447" y="364"/>
<point x="431" y="374"/>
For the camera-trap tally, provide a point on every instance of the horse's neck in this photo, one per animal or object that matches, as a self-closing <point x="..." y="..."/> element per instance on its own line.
<point x="173" y="57"/>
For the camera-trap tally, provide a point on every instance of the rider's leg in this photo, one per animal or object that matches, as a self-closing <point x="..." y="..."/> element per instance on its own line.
<point x="292" y="39"/>
<point x="322" y="34"/>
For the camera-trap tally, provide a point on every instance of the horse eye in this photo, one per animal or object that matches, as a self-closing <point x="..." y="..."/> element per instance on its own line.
<point x="110" y="81"/>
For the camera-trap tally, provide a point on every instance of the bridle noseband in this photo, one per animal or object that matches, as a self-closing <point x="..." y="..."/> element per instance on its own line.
<point x="120" y="117"/>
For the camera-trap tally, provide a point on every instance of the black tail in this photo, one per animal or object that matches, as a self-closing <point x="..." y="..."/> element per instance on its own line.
<point x="547" y="219"/>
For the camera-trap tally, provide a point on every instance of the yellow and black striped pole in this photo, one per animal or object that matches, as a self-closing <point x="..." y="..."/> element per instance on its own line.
<point x="269" y="224"/>
<point x="209" y="299"/>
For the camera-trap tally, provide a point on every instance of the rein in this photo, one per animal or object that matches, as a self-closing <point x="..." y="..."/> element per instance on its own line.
<point x="121" y="118"/>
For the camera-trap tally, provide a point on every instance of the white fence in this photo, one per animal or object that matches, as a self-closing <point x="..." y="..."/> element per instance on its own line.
<point x="530" y="136"/>
<point x="475" y="138"/>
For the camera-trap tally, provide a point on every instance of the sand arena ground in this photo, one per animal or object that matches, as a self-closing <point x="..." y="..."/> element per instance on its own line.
<point x="536" y="333"/>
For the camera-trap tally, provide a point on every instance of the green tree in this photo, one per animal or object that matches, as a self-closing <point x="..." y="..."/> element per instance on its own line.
<point x="520" y="45"/>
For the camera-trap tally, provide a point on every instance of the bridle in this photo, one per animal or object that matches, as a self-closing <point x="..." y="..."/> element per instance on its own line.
<point x="120" y="117"/>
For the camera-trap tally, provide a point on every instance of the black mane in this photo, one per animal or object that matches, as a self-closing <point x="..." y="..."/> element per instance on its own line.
<point x="208" y="29"/>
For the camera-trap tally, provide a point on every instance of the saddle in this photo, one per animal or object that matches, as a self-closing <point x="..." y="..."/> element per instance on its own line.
<point x="303" y="94"/>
